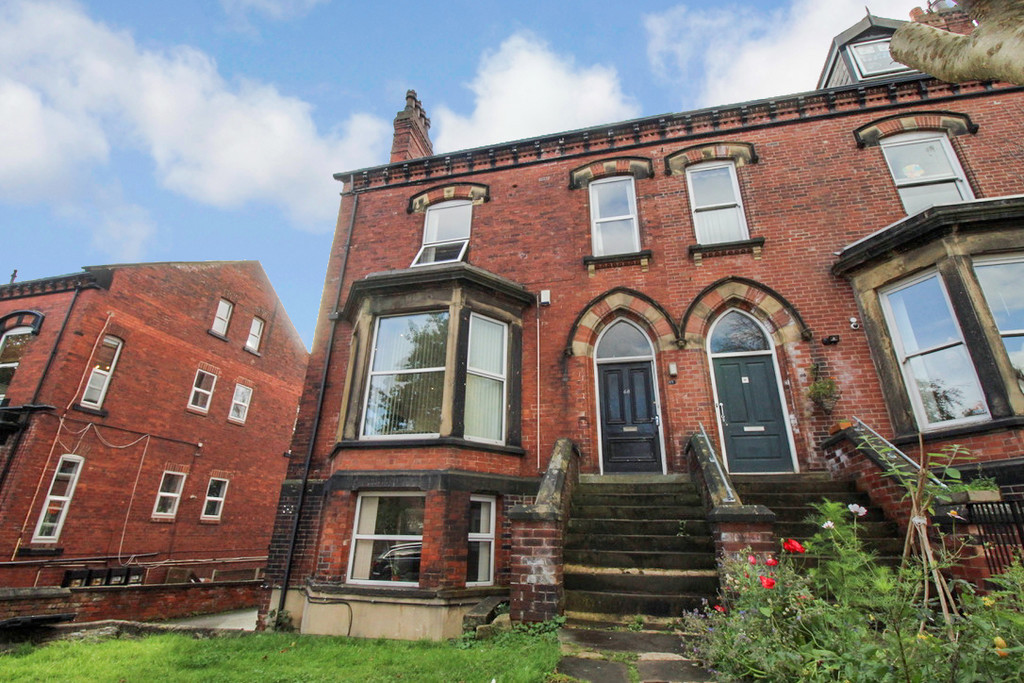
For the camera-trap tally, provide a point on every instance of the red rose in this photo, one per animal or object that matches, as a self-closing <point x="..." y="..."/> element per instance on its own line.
<point x="767" y="581"/>
<point x="751" y="559"/>
<point x="771" y="562"/>
<point x="792" y="545"/>
<point x="719" y="608"/>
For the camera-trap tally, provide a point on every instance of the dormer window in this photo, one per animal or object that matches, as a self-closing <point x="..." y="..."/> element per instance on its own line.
<point x="872" y="58"/>
<point x="445" y="233"/>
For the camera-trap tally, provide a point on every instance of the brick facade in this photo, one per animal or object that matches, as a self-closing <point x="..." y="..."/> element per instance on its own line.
<point x="809" y="190"/>
<point x="162" y="315"/>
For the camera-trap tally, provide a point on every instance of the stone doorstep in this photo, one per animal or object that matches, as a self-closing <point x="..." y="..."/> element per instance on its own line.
<point x="638" y="571"/>
<point x="659" y="657"/>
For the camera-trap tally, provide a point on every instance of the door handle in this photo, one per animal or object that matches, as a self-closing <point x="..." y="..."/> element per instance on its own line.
<point x="657" y="420"/>
<point x="721" y="414"/>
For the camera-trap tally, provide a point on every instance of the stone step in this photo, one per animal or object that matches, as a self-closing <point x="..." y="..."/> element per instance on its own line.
<point x="641" y="559"/>
<point x="641" y="582"/>
<point x="792" y="498"/>
<point x="637" y="527"/>
<point x="634" y="542"/>
<point x="815" y="486"/>
<point x="620" y="605"/>
<point x="637" y="511"/>
<point x="609" y="498"/>
<point x="801" y="513"/>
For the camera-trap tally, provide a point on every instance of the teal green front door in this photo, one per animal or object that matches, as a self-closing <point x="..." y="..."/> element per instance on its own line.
<point x="751" y="414"/>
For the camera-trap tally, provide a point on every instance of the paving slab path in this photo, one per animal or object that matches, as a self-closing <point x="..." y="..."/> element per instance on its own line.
<point x="606" y="656"/>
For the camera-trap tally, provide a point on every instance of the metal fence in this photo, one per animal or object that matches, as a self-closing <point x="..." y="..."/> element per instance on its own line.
<point x="1000" y="530"/>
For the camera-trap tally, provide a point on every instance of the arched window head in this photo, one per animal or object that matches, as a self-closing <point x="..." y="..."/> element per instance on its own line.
<point x="737" y="333"/>
<point x="623" y="340"/>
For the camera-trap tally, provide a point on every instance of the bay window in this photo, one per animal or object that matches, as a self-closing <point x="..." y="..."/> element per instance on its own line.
<point x="937" y="368"/>
<point x="388" y="538"/>
<point x="480" y="558"/>
<point x="485" y="380"/>
<point x="1000" y="280"/>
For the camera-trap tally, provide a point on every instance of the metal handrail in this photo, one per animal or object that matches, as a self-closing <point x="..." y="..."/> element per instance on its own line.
<point x="906" y="458"/>
<point x="730" y="493"/>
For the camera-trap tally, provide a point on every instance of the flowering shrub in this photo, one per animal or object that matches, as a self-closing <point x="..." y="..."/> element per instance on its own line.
<point x="836" y="614"/>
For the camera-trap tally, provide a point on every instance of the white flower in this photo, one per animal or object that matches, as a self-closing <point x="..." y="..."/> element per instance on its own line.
<point x="828" y="525"/>
<point x="858" y="510"/>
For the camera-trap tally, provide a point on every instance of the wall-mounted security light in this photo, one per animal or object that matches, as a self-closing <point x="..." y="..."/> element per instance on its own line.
<point x="545" y="297"/>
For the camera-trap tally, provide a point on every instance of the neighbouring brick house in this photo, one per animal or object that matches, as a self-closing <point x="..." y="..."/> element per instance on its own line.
<point x="614" y="291"/>
<point x="145" y="412"/>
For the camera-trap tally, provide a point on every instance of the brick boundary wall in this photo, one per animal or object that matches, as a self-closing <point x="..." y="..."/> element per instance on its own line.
<point x="137" y="603"/>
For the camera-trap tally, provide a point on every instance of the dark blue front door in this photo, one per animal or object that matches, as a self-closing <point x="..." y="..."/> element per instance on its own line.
<point x="753" y="421"/>
<point x="629" y="418"/>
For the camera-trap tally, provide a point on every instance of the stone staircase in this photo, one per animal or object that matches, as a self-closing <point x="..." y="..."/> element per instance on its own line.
<point x="637" y="545"/>
<point x="790" y="497"/>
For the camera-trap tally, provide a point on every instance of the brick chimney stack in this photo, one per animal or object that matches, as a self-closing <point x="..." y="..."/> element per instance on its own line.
<point x="945" y="15"/>
<point x="412" y="132"/>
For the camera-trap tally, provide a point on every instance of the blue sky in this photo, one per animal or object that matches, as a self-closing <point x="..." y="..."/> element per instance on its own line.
<point x="202" y="130"/>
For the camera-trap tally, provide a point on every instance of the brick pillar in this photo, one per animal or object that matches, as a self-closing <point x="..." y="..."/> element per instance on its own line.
<point x="536" y="590"/>
<point x="738" y="529"/>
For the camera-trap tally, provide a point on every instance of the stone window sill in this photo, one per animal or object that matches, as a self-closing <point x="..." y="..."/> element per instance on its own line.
<point x="98" y="412"/>
<point x="751" y="246"/>
<point x="595" y="263"/>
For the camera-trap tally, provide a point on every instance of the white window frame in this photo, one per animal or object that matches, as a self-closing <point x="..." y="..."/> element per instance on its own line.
<point x="174" y="496"/>
<point x="210" y="498"/>
<point x="13" y="332"/>
<point x="862" y="71"/>
<point x="371" y="373"/>
<point x="430" y="220"/>
<point x="596" y="237"/>
<point x="64" y="501"/>
<point x="100" y="378"/>
<point x="408" y="538"/>
<point x="737" y="204"/>
<point x="197" y="390"/>
<point x="222" y="318"/>
<point x="243" y="404"/>
<point x="502" y="377"/>
<point x="903" y="358"/>
<point x="957" y="176"/>
<point x="256" y="328"/>
<point x="485" y="536"/>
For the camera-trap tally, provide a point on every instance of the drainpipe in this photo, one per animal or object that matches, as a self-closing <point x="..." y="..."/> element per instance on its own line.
<point x="39" y="386"/>
<point x="334" y="316"/>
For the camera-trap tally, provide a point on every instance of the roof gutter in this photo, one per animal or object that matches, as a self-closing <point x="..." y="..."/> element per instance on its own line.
<point x="334" y="317"/>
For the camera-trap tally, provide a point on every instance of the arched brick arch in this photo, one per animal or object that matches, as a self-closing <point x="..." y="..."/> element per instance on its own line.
<point x="952" y="122"/>
<point x="771" y="308"/>
<point x="613" y="304"/>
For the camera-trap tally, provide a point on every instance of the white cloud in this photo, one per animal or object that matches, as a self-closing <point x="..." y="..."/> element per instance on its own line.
<point x="274" y="9"/>
<point x="73" y="89"/>
<point x="124" y="232"/>
<point x="730" y="54"/>
<point x="525" y="89"/>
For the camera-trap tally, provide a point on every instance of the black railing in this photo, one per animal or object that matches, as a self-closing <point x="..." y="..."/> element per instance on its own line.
<point x="1000" y="530"/>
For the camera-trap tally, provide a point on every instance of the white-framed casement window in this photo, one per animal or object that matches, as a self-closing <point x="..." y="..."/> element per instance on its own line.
<point x="937" y="369"/>
<point x="55" y="509"/>
<point x="872" y="58"/>
<point x="216" y="491"/>
<point x="102" y="370"/>
<point x="252" y="343"/>
<point x="169" y="494"/>
<point x="485" y="380"/>
<point x="12" y="345"/>
<point x="925" y="169"/>
<point x="445" y="232"/>
<point x="405" y="390"/>
<point x="1000" y="279"/>
<point x="388" y="539"/>
<point x="222" y="318"/>
<point x="240" y="403"/>
<point x="715" y="202"/>
<point x="613" y="217"/>
<point x="480" y="558"/>
<point x="202" y="390"/>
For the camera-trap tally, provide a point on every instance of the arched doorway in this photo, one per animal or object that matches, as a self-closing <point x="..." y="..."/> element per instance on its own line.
<point x="752" y="422"/>
<point x="627" y="396"/>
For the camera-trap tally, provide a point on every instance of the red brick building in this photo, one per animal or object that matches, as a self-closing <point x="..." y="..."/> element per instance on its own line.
<point x="145" y="412"/>
<point x="752" y="270"/>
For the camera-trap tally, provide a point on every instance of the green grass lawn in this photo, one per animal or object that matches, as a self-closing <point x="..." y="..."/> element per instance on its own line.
<point x="266" y="657"/>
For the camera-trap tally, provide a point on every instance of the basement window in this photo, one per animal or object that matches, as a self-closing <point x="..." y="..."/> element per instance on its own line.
<point x="388" y="539"/>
